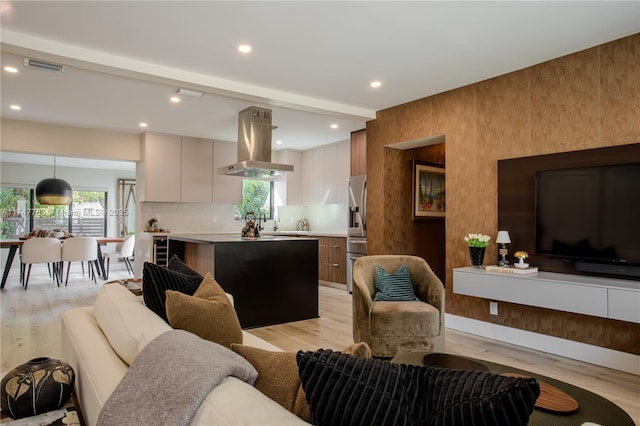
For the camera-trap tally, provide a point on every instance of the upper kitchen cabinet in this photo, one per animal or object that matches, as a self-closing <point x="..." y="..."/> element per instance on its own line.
<point x="226" y="189"/>
<point x="359" y="152"/>
<point x="161" y="159"/>
<point x="289" y="186"/>
<point x="326" y="173"/>
<point x="177" y="168"/>
<point x="196" y="183"/>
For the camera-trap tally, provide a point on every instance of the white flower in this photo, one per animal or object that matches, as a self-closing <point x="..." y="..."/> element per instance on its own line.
<point x="477" y="240"/>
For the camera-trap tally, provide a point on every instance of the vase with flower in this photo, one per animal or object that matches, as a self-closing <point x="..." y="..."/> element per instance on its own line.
<point x="477" y="245"/>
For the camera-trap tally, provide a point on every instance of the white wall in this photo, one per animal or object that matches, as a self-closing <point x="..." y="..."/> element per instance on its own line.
<point x="28" y="176"/>
<point x="44" y="138"/>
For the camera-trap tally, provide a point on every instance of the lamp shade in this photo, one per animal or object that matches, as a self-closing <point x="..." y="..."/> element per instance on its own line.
<point x="54" y="191"/>
<point x="503" y="237"/>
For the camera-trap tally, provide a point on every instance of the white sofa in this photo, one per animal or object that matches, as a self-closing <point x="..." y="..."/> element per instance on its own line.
<point x="100" y="342"/>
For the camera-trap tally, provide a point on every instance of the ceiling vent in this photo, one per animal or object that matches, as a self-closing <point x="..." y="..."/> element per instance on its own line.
<point x="33" y="63"/>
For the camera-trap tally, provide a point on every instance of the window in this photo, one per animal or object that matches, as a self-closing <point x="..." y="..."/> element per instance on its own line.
<point x="21" y="213"/>
<point x="257" y="197"/>
<point x="15" y="204"/>
<point x="88" y="213"/>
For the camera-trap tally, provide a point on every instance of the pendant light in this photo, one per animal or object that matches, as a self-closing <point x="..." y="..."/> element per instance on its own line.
<point x="54" y="192"/>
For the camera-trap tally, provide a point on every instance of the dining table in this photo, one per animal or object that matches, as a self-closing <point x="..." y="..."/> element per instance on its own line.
<point x="14" y="244"/>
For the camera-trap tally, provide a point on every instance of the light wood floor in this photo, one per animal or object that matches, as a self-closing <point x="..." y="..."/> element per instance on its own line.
<point x="30" y="327"/>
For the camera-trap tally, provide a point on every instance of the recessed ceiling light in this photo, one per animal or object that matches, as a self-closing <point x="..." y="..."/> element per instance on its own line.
<point x="334" y="126"/>
<point x="143" y="124"/>
<point x="191" y="93"/>
<point x="278" y="142"/>
<point x="11" y="69"/>
<point x="244" y="48"/>
<point x="175" y="99"/>
<point x="16" y="107"/>
<point x="376" y="83"/>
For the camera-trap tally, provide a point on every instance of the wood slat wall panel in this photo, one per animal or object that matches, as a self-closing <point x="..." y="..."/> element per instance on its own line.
<point x="590" y="99"/>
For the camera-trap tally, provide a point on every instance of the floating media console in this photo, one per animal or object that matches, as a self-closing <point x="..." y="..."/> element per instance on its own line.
<point x="600" y="297"/>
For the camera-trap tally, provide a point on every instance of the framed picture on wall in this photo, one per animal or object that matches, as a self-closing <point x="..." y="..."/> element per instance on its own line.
<point x="428" y="191"/>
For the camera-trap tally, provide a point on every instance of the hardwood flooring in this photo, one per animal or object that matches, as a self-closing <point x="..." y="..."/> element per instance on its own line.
<point x="30" y="327"/>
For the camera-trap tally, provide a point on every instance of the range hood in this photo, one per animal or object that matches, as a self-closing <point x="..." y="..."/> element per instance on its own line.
<point x="254" y="147"/>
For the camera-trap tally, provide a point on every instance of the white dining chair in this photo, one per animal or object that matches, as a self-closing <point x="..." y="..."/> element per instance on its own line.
<point x="81" y="249"/>
<point x="125" y="252"/>
<point x="41" y="250"/>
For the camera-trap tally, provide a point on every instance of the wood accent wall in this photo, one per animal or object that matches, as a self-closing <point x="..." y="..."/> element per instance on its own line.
<point x="359" y="152"/>
<point x="589" y="99"/>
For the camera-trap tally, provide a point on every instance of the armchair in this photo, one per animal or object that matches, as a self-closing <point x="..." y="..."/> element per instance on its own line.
<point x="392" y="327"/>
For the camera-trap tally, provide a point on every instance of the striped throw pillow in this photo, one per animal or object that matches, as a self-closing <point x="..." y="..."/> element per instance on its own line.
<point x="156" y="280"/>
<point x="176" y="264"/>
<point x="394" y="287"/>
<point x="347" y="390"/>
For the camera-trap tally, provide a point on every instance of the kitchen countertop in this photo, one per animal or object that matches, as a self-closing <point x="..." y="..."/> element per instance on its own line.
<point x="227" y="238"/>
<point x="307" y="233"/>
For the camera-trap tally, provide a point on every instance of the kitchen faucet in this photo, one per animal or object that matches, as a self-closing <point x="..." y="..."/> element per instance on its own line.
<point x="262" y="218"/>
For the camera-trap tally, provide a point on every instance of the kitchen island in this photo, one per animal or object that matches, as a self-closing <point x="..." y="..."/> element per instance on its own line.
<point x="273" y="279"/>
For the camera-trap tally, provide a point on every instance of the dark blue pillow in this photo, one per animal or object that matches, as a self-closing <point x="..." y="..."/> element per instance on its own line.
<point x="394" y="287"/>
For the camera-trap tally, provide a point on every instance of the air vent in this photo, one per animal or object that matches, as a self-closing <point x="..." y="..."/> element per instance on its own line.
<point x="33" y="63"/>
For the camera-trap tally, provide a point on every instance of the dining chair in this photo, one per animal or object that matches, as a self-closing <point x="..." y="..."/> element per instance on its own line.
<point x="81" y="249"/>
<point x="125" y="252"/>
<point x="41" y="250"/>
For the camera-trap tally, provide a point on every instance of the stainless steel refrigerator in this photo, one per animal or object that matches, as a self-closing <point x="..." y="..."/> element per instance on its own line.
<point x="357" y="234"/>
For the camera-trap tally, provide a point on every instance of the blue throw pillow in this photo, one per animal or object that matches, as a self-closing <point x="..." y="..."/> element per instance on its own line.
<point x="394" y="287"/>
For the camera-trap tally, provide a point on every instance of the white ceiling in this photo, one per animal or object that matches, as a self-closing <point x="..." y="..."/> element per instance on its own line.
<point x="312" y="62"/>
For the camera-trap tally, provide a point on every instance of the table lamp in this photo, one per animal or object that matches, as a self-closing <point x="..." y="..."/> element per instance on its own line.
<point x="502" y="239"/>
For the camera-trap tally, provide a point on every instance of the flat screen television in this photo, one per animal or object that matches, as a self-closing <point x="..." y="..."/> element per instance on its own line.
<point x="591" y="216"/>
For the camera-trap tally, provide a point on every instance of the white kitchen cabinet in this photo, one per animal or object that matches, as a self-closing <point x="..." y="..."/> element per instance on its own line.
<point x="318" y="174"/>
<point x="337" y="171"/>
<point x="326" y="182"/>
<point x="177" y="168"/>
<point x="196" y="183"/>
<point x="226" y="189"/>
<point x="161" y="156"/>
<point x="307" y="177"/>
<point x="288" y="186"/>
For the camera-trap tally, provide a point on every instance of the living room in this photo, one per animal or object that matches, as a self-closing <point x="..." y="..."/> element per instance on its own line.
<point x="584" y="100"/>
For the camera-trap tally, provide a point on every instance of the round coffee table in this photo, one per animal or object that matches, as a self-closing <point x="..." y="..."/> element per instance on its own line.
<point x="591" y="407"/>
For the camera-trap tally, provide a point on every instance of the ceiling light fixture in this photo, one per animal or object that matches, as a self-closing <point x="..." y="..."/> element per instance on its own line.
<point x="15" y="107"/>
<point x="54" y="192"/>
<point x="143" y="124"/>
<point x="278" y="142"/>
<point x="11" y="69"/>
<point x="376" y="84"/>
<point x="33" y="63"/>
<point x="190" y="93"/>
<point x="174" y="99"/>
<point x="334" y="126"/>
<point x="244" y="48"/>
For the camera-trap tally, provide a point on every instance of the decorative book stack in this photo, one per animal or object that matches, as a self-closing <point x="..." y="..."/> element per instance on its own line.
<point x="512" y="269"/>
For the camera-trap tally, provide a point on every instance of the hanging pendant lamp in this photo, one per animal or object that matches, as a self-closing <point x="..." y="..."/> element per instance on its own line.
<point x="54" y="192"/>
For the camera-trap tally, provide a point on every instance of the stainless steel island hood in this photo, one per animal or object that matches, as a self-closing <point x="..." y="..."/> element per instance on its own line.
<point x="254" y="147"/>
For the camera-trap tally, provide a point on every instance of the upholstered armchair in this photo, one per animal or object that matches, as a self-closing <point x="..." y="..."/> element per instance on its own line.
<point x="393" y="327"/>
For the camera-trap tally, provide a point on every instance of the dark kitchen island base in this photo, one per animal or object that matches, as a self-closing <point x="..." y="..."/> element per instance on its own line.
<point x="273" y="281"/>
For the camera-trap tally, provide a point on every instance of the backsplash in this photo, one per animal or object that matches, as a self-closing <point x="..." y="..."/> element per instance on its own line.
<point x="191" y="217"/>
<point x="331" y="218"/>
<point x="194" y="217"/>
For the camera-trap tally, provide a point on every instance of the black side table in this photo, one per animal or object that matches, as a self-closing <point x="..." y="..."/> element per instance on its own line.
<point x="591" y="407"/>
